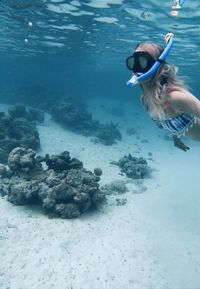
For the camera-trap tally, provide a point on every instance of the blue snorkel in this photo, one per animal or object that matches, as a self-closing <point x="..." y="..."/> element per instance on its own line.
<point x="178" y="4"/>
<point x="181" y="2"/>
<point x="169" y="38"/>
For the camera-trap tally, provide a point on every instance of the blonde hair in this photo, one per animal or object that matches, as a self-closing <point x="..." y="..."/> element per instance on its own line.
<point x="156" y="89"/>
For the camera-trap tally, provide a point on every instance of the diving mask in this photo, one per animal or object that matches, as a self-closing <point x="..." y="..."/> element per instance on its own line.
<point x="140" y="62"/>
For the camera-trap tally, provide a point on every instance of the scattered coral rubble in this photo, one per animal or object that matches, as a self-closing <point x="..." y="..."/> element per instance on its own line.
<point x="58" y="183"/>
<point x="133" y="167"/>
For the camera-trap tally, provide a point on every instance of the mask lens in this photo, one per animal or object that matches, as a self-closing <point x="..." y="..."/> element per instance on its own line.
<point x="130" y="62"/>
<point x="143" y="62"/>
<point x="140" y="61"/>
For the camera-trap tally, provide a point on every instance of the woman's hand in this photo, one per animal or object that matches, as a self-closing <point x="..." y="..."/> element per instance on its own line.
<point x="179" y="144"/>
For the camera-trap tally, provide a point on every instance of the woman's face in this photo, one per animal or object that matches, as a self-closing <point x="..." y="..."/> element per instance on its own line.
<point x="140" y="61"/>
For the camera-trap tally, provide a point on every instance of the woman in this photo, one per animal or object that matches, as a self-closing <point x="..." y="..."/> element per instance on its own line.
<point x="165" y="98"/>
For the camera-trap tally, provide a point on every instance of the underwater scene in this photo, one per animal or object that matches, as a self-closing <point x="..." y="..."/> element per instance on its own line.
<point x="99" y="144"/>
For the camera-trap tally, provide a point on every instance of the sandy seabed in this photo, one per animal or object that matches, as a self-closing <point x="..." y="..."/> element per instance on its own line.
<point x="151" y="242"/>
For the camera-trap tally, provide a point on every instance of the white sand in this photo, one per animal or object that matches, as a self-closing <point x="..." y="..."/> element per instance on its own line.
<point x="150" y="242"/>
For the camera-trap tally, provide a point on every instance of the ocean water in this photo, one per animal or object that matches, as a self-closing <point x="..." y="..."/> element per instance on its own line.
<point x="80" y="47"/>
<point x="51" y="49"/>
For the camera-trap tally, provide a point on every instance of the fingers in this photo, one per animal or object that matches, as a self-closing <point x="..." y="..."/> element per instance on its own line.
<point x="179" y="144"/>
<point x="184" y="148"/>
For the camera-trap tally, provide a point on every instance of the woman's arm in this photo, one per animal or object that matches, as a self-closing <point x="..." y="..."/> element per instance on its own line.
<point x="184" y="102"/>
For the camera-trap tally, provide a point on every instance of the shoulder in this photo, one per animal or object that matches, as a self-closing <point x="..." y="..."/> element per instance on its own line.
<point x="183" y="100"/>
<point x="178" y="95"/>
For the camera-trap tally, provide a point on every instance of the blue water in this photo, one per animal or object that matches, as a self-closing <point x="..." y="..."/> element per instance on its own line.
<point x="79" y="47"/>
<point x="51" y="49"/>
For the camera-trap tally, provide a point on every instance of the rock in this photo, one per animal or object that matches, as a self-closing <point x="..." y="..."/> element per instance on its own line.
<point x="133" y="167"/>
<point x="65" y="189"/>
<point x="98" y="171"/>
<point x="75" y="117"/>
<point x="17" y="130"/>
<point x="116" y="187"/>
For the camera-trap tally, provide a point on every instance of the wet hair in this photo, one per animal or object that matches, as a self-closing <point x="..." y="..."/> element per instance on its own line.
<point x="155" y="90"/>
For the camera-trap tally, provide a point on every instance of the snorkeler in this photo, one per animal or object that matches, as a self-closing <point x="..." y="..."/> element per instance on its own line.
<point x="165" y="98"/>
<point x="177" y="5"/>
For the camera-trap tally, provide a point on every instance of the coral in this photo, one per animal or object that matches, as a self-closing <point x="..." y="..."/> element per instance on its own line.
<point x="62" y="162"/>
<point x="98" y="171"/>
<point x="116" y="187"/>
<point x="17" y="111"/>
<point x="64" y="189"/>
<point x="133" y="167"/>
<point x="3" y="171"/>
<point x="108" y="134"/>
<point x="22" y="163"/>
<point x="18" y="128"/>
<point x="114" y="192"/>
<point x="121" y="202"/>
<point x="76" y="118"/>
<point x="20" y="111"/>
<point x="23" y="192"/>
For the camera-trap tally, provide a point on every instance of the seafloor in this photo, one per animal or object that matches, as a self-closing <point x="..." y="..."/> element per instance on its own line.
<point x="149" y="241"/>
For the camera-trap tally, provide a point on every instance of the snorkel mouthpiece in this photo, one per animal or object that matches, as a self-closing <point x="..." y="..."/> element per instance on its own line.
<point x="169" y="38"/>
<point x="133" y="81"/>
